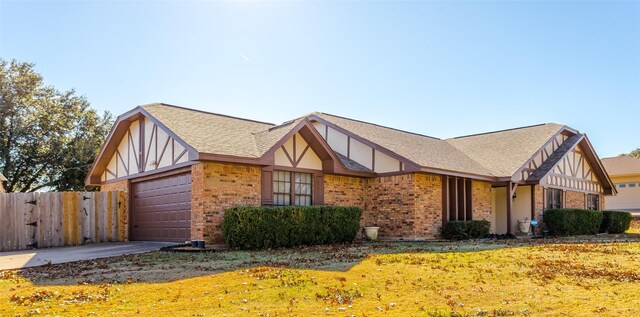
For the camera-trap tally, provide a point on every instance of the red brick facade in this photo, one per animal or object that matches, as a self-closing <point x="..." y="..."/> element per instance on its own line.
<point x="575" y="200"/>
<point x="405" y="206"/>
<point x="216" y="187"/>
<point x="482" y="200"/>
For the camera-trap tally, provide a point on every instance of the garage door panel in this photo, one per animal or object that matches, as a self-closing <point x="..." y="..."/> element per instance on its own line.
<point x="162" y="209"/>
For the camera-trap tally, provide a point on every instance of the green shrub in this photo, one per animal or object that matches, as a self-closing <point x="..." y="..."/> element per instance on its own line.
<point x="463" y="230"/>
<point x="569" y="222"/>
<point x="274" y="227"/>
<point x="615" y="221"/>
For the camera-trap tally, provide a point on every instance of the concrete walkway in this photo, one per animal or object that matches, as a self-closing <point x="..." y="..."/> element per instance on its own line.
<point x="29" y="258"/>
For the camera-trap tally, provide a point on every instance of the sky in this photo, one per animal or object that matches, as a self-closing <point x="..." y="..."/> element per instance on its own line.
<point x="442" y="69"/>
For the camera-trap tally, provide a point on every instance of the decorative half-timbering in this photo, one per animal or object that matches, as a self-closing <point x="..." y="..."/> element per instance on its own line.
<point x="358" y="150"/>
<point x="541" y="156"/>
<point x="573" y="172"/>
<point x="144" y="147"/>
<point x="296" y="152"/>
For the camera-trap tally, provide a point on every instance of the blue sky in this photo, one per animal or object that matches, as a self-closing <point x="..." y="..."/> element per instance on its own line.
<point x="438" y="68"/>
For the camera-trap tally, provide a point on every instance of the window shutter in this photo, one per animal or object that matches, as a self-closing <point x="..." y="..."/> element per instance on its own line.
<point x="267" y="188"/>
<point x="318" y="190"/>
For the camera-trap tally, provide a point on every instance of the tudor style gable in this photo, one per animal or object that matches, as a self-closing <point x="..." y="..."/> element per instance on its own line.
<point x="359" y="150"/>
<point x="137" y="145"/>
<point x="574" y="166"/>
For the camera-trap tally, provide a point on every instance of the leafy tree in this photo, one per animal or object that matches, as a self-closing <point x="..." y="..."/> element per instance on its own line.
<point x="635" y="153"/>
<point x="48" y="138"/>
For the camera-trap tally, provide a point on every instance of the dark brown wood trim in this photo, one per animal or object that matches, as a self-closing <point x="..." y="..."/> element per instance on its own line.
<point x="173" y="150"/>
<point x="141" y="155"/>
<point x="128" y="150"/>
<point x="292" y="169"/>
<point x="509" y="205"/>
<point x="348" y="146"/>
<point x="373" y="159"/>
<point x="459" y="174"/>
<point x="533" y="201"/>
<point x="132" y="145"/>
<point x="288" y="156"/>
<point x="294" y="156"/>
<point x="164" y="148"/>
<point x="156" y="160"/>
<point x="365" y="141"/>
<point x="541" y="150"/>
<point x="179" y="156"/>
<point x="302" y="155"/>
<point x="445" y="199"/>
<point x="173" y="169"/>
<point x="152" y="140"/>
<point x="110" y="172"/>
<point x="118" y="131"/>
<point x="180" y="170"/>
<point x="126" y="168"/>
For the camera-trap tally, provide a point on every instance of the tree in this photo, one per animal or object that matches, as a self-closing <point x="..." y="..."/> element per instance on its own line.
<point x="635" y="153"/>
<point x="48" y="138"/>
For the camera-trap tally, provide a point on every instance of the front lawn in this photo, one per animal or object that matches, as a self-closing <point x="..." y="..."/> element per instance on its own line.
<point x="583" y="276"/>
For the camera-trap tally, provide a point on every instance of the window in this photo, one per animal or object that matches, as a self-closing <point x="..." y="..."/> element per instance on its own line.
<point x="284" y="194"/>
<point x="622" y="186"/>
<point x="593" y="202"/>
<point x="632" y="185"/>
<point x="554" y="198"/>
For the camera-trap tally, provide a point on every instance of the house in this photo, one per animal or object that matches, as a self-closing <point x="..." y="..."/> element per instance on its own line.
<point x="2" y="180"/>
<point x="183" y="167"/>
<point x="625" y="174"/>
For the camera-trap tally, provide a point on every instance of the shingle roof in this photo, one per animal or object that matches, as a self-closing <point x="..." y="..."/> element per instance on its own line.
<point x="209" y="132"/>
<point x="498" y="153"/>
<point x="423" y="150"/>
<point x="621" y="165"/>
<point x="504" y="152"/>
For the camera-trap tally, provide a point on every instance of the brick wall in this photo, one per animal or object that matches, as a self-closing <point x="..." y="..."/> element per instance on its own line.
<point x="428" y="205"/>
<point x="391" y="202"/>
<point x="574" y="199"/>
<point x="344" y="190"/>
<point x="482" y="200"/>
<point x="120" y="186"/>
<point x="216" y="187"/>
<point x="407" y="206"/>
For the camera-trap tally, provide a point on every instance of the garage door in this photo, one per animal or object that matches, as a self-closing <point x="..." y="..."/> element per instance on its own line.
<point x="161" y="209"/>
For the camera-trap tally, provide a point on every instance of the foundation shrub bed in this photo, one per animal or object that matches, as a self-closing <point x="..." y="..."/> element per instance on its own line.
<point x="464" y="230"/>
<point x="252" y="228"/>
<point x="570" y="222"/>
<point x="615" y="221"/>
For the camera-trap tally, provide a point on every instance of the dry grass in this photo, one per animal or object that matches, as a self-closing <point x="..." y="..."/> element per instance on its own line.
<point x="575" y="277"/>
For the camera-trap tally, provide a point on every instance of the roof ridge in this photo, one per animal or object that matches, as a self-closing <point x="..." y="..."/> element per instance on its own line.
<point x="378" y="125"/>
<point x="504" y="130"/>
<point x="205" y="112"/>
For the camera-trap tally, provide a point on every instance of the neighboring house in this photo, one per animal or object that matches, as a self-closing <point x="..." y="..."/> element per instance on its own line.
<point x="625" y="174"/>
<point x="182" y="168"/>
<point x="2" y="180"/>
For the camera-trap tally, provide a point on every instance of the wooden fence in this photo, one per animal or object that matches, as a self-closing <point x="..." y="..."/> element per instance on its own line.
<point x="42" y="220"/>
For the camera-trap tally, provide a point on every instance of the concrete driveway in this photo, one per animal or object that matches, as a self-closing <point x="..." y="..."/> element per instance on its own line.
<point x="29" y="258"/>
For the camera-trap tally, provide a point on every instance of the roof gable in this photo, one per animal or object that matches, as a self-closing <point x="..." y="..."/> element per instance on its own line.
<point x="137" y="144"/>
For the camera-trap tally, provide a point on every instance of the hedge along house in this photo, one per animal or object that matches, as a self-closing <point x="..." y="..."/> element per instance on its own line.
<point x="182" y="168"/>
